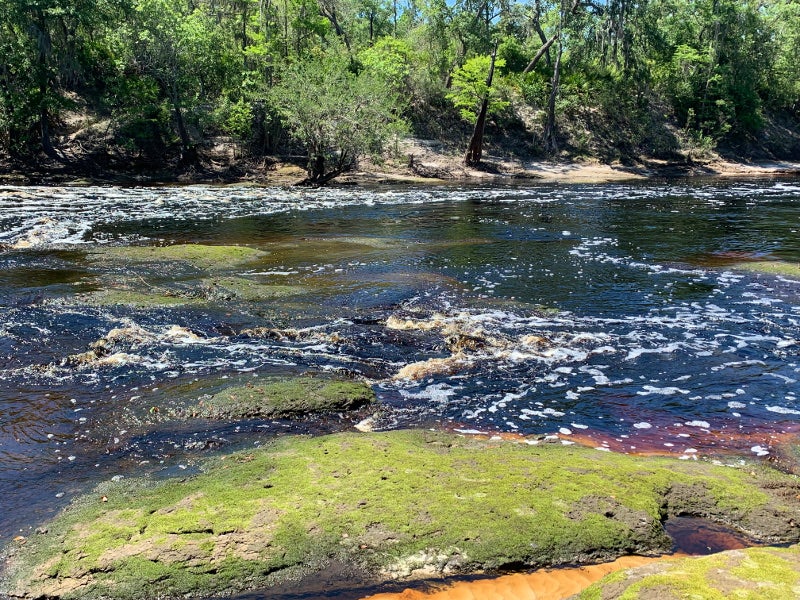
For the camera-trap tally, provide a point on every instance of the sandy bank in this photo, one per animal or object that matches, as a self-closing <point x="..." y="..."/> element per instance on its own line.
<point x="416" y="161"/>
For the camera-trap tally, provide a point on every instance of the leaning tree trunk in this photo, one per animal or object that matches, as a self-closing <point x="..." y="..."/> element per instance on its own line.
<point x="188" y="151"/>
<point x="542" y="52"/>
<point x="475" y="149"/>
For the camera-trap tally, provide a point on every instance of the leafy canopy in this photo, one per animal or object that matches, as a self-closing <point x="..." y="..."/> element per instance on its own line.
<point x="469" y="88"/>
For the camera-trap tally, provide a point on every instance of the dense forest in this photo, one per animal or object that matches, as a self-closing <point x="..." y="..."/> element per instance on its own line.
<point x="333" y="80"/>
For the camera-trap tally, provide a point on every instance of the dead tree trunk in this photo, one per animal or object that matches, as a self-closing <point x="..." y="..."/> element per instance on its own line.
<point x="475" y="149"/>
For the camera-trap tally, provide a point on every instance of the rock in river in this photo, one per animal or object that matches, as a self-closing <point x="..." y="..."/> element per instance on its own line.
<point x="284" y="397"/>
<point x="394" y="505"/>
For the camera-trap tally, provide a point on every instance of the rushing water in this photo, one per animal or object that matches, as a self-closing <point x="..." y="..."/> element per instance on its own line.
<point x="611" y="314"/>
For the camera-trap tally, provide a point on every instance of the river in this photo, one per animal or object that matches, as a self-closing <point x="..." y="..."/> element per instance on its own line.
<point x="622" y="316"/>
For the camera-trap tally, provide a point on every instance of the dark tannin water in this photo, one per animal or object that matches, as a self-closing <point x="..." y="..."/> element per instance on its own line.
<point x="614" y="315"/>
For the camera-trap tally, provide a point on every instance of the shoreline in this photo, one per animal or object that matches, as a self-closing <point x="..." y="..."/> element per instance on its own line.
<point x="426" y="168"/>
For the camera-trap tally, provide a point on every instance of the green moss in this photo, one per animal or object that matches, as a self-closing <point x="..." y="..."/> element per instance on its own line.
<point x="751" y="574"/>
<point x="200" y="256"/>
<point x="389" y="502"/>
<point x="285" y="398"/>
<point x="138" y="299"/>
<point x="773" y="267"/>
<point x="229" y="288"/>
<point x="771" y="567"/>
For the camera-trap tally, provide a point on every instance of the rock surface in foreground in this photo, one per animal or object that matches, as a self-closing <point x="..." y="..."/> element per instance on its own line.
<point x="754" y="573"/>
<point x="398" y="504"/>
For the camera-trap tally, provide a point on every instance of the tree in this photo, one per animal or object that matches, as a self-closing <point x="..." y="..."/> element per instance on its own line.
<point x="337" y="115"/>
<point x="49" y="47"/>
<point x="184" y="52"/>
<point x="475" y="148"/>
<point x="471" y="86"/>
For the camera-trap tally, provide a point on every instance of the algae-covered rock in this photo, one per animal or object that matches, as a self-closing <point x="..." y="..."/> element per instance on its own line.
<point x="200" y="256"/>
<point x="143" y="298"/>
<point x="249" y="290"/>
<point x="772" y="267"/>
<point x="285" y="398"/>
<point x="137" y="292"/>
<point x="396" y="504"/>
<point x="751" y="574"/>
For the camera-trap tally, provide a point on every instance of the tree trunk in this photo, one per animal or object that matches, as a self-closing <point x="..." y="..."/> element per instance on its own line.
<point x="542" y="51"/>
<point x="316" y="171"/>
<point x="550" y="137"/>
<point x="44" y="123"/>
<point x="188" y="152"/>
<point x="475" y="149"/>
<point x="316" y="167"/>
<point x="44" y="44"/>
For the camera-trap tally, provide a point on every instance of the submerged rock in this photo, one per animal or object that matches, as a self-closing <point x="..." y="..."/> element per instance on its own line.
<point x="467" y="340"/>
<point x="751" y="573"/>
<point x="396" y="504"/>
<point x="284" y="398"/>
<point x="200" y="256"/>
<point x="125" y="295"/>
<point x="771" y="267"/>
<point x="224" y="289"/>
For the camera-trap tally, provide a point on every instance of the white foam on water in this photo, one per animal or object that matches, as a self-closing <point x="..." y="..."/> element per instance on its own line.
<point x="783" y="378"/>
<point x="668" y="349"/>
<point x="782" y="410"/>
<point x="439" y="393"/>
<point x="665" y="391"/>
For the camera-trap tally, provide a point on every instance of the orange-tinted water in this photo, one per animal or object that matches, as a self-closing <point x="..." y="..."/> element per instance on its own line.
<point x="691" y="537"/>
<point x="540" y="585"/>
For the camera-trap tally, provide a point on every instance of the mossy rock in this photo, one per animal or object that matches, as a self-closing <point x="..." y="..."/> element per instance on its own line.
<point x="140" y="294"/>
<point x="200" y="256"/>
<point x="395" y="504"/>
<point x="751" y="574"/>
<point x="221" y="289"/>
<point x="156" y="298"/>
<point x="285" y="398"/>
<point x="772" y="267"/>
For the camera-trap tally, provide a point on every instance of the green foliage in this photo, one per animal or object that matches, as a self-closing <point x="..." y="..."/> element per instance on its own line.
<point x="235" y="118"/>
<point x="337" y="115"/>
<point x="389" y="60"/>
<point x="165" y="70"/>
<point x="469" y="88"/>
<point x="513" y="56"/>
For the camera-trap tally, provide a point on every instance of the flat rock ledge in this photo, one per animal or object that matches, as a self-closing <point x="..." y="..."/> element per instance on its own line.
<point x="394" y="505"/>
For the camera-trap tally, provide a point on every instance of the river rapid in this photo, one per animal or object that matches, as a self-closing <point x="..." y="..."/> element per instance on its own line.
<point x="622" y="316"/>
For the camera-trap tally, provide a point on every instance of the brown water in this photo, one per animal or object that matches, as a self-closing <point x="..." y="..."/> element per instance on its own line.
<point x="610" y="315"/>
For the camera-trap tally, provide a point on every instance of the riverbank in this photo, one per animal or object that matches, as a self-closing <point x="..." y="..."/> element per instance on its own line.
<point x="415" y="161"/>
